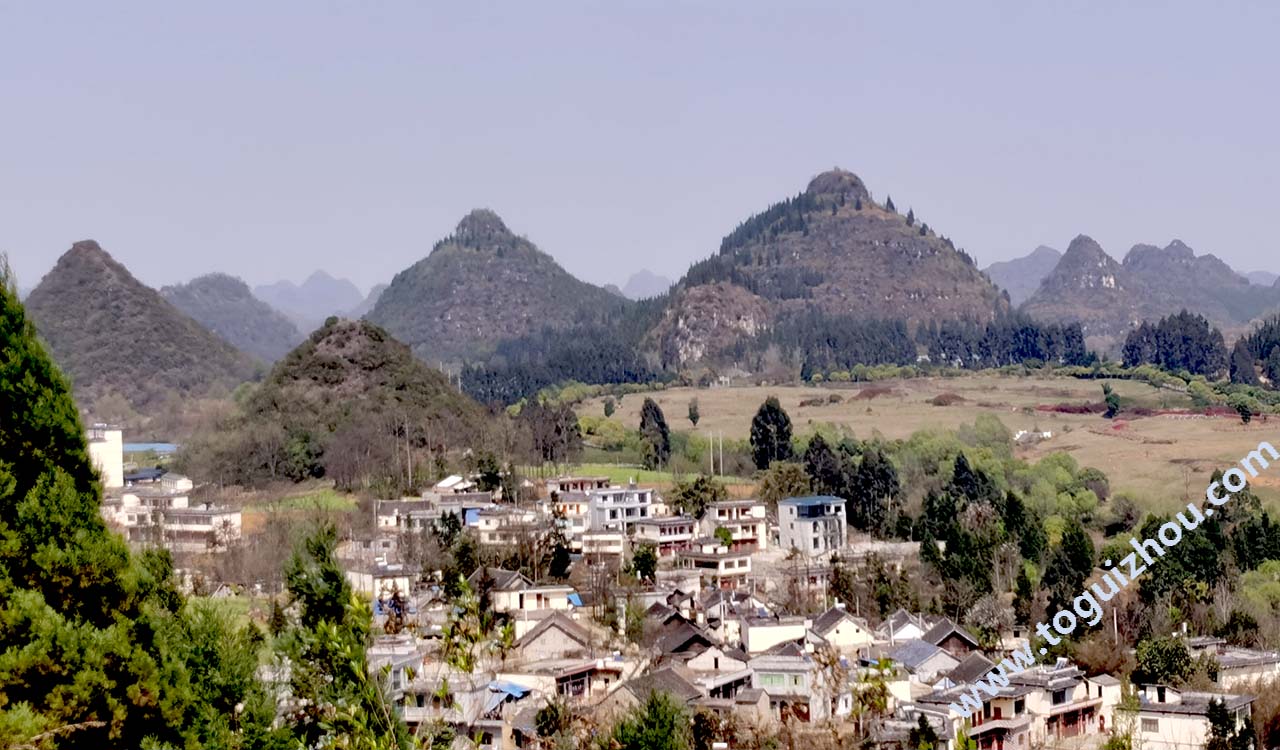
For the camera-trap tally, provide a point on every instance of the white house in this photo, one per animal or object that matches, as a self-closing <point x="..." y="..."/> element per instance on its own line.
<point x="1169" y="719"/>
<point x="814" y="526"/>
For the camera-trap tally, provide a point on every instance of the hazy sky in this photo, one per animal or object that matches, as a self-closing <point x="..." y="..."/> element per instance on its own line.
<point x="271" y="139"/>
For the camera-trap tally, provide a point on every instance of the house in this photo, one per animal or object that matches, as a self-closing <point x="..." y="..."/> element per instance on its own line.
<point x="519" y="598"/>
<point x="379" y="580"/>
<point x="902" y="626"/>
<point x="1047" y="702"/>
<point x="1170" y="719"/>
<point x="603" y="545"/>
<point x="1237" y="666"/>
<point x="555" y="637"/>
<point x="670" y="534"/>
<point x="679" y="639"/>
<point x="378" y="547"/>
<point x="581" y="485"/>
<point x="796" y="687"/>
<point x="972" y="667"/>
<point x="574" y="511"/>
<point x="923" y="662"/>
<point x="582" y="680"/>
<point x="507" y="527"/>
<point x="760" y="634"/>
<point x="674" y="680"/>
<point x="814" y="526"/>
<point x="618" y="508"/>
<point x="718" y="566"/>
<point x="951" y="637"/>
<point x="745" y="520"/>
<point x="720" y="673"/>
<point x="844" y="632"/>
<point x="153" y="507"/>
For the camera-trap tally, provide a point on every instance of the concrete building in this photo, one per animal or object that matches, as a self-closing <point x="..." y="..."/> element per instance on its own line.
<point x="671" y="534"/>
<point x="618" y="508"/>
<point x="745" y="519"/>
<point x="814" y="526"/>
<point x="718" y="566"/>
<point x="106" y="451"/>
<point x="1170" y="719"/>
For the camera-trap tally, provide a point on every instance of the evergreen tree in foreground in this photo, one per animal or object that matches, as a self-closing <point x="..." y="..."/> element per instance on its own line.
<point x="97" y="648"/>
<point x="655" y="435"/>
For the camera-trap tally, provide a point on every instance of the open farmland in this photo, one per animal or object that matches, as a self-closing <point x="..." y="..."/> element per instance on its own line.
<point x="1161" y="457"/>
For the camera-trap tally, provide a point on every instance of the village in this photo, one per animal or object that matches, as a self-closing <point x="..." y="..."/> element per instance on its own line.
<point x="730" y="614"/>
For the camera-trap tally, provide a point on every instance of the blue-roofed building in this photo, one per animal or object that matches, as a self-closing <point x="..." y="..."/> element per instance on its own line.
<point x="813" y="525"/>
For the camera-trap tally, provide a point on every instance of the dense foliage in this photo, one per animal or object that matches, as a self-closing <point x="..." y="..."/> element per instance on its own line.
<point x="1185" y="341"/>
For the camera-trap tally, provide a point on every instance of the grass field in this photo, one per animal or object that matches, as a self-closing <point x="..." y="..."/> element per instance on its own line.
<point x="1162" y="459"/>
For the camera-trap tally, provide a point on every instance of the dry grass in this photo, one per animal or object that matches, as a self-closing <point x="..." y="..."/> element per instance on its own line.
<point x="1162" y="459"/>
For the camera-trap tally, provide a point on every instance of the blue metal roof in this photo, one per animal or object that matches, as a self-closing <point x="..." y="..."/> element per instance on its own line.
<point x="811" y="500"/>
<point x="575" y="599"/>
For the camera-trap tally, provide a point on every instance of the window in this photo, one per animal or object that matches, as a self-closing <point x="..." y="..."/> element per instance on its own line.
<point x="1150" y="725"/>
<point x="1059" y="697"/>
<point x="1019" y="707"/>
<point x="815" y="542"/>
<point x="797" y="680"/>
<point x="773" y="680"/>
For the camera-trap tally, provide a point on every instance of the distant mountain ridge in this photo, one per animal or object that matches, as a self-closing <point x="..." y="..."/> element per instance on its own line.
<point x="644" y="284"/>
<point x="1109" y="298"/>
<point x="1021" y="277"/>
<point x="308" y="304"/>
<point x="112" y="334"/>
<point x="225" y="305"/>
<point x="481" y="285"/>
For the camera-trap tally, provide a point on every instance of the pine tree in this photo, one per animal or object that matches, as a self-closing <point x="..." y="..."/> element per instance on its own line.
<point x="655" y="435"/>
<point x="911" y="217"/>
<point x="888" y="205"/>
<point x="770" y="434"/>
<point x="694" y="414"/>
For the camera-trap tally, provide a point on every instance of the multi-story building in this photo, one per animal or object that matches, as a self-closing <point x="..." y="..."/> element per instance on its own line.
<point x="670" y="534"/>
<point x="153" y="508"/>
<point x="507" y="527"/>
<point x="719" y="566"/>
<point x="617" y="508"/>
<point x="1044" y="703"/>
<point x="745" y="519"/>
<point x="578" y="485"/>
<point x="814" y="526"/>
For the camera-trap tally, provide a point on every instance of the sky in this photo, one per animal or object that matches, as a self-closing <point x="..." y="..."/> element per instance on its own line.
<point x="268" y="140"/>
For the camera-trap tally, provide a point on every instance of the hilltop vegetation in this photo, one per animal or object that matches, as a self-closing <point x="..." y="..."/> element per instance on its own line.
<point x="481" y="285"/>
<point x="224" y="305"/>
<point x="114" y="336"/>
<point x="351" y="404"/>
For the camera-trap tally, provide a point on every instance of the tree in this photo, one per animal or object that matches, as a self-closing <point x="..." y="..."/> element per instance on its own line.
<point x="888" y="204"/>
<point x="654" y="435"/>
<point x="561" y="561"/>
<point x="1112" y="400"/>
<point x="1069" y="566"/>
<point x="692" y="498"/>
<point x="552" y="719"/>
<point x="1244" y="406"/>
<point x="694" y="416"/>
<point x="874" y="485"/>
<point x="783" y="480"/>
<point x="660" y="723"/>
<point x="326" y="648"/>
<point x="554" y="431"/>
<point x="770" y="434"/>
<point x="825" y="469"/>
<point x="911" y="216"/>
<point x="922" y="736"/>
<point x="1164" y="660"/>
<point x="609" y="406"/>
<point x="724" y="536"/>
<point x="1242" y="366"/>
<point x="644" y="562"/>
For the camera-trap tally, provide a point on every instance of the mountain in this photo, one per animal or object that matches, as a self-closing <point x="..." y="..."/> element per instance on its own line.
<point x="309" y="303"/>
<point x="111" y="334"/>
<point x="644" y="284"/>
<point x="1262" y="278"/>
<point x="225" y="305"/>
<point x="831" y="249"/>
<point x="350" y="403"/>
<point x="1108" y="298"/>
<point x="362" y="309"/>
<point x="1089" y="287"/>
<point x="479" y="286"/>
<point x="1021" y="277"/>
